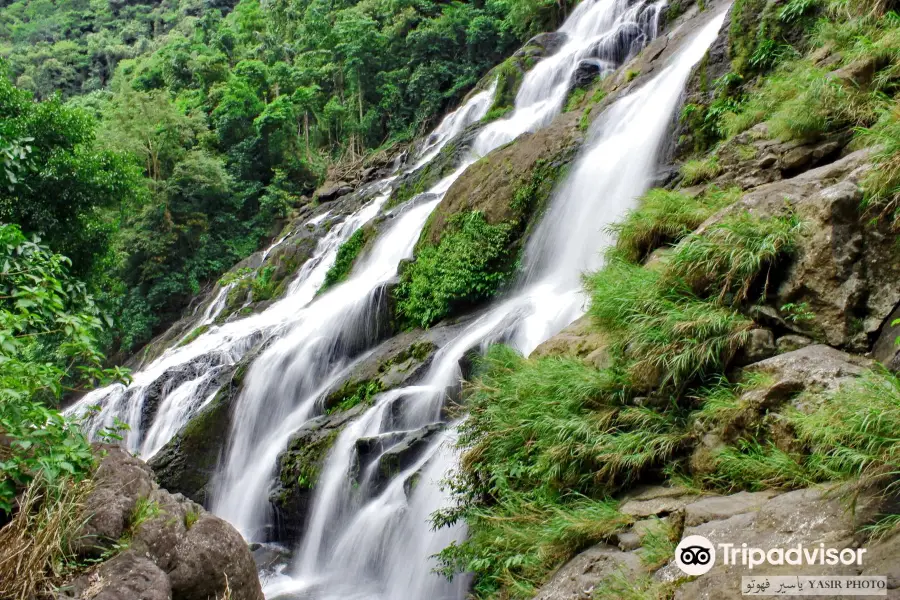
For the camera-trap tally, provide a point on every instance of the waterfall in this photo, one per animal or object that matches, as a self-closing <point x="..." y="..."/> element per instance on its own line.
<point x="604" y="34"/>
<point x="377" y="543"/>
<point x="165" y="394"/>
<point x="367" y="537"/>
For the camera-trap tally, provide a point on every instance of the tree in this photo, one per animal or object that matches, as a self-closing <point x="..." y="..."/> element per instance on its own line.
<point x="62" y="182"/>
<point x="48" y="345"/>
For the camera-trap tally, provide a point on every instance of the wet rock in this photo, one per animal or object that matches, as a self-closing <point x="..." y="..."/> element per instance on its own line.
<point x="585" y="74"/>
<point x="577" y="578"/>
<point x="394" y="363"/>
<point x="394" y="458"/>
<point x="187" y="463"/>
<point x="332" y="191"/>
<point x="269" y="557"/>
<point x="298" y="471"/>
<point x="176" y="550"/>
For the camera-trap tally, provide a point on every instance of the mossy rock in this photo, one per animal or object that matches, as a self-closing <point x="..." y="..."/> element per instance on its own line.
<point x="299" y="467"/>
<point x="187" y="463"/>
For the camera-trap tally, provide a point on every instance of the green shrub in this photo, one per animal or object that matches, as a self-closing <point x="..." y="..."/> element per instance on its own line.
<point x="469" y="264"/>
<point x="728" y="257"/>
<point x="346" y="257"/>
<point x="665" y="217"/>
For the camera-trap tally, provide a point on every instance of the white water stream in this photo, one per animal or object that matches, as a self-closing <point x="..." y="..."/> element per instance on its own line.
<point x="369" y="536"/>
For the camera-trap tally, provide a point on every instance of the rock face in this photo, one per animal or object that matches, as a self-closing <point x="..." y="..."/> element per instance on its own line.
<point x="175" y="549"/>
<point x="763" y="520"/>
<point x="578" y="577"/>
<point x="783" y="379"/>
<point x="187" y="463"/>
<point x="333" y="191"/>
<point x="298" y="471"/>
<point x="581" y="340"/>
<point x="846" y="268"/>
<point x="807" y="517"/>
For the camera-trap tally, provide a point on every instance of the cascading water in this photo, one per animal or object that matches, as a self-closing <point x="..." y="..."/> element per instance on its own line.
<point x="286" y="382"/>
<point x="603" y="33"/>
<point x="154" y="409"/>
<point x="374" y="541"/>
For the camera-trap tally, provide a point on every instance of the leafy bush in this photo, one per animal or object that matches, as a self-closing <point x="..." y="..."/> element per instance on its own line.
<point x="469" y="264"/>
<point x="665" y="217"/>
<point x="48" y="345"/>
<point x="346" y="257"/>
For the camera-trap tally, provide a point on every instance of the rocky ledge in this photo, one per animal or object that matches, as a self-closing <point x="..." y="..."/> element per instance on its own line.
<point x="154" y="545"/>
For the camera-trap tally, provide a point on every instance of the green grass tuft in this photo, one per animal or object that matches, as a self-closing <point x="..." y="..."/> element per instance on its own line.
<point x="699" y="171"/>
<point x="668" y="336"/>
<point x="665" y="217"/>
<point x="729" y="257"/>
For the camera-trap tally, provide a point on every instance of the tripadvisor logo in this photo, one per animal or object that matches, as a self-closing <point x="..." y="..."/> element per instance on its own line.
<point x="695" y="555"/>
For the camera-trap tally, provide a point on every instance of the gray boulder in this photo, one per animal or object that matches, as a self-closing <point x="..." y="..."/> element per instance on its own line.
<point x="175" y="549"/>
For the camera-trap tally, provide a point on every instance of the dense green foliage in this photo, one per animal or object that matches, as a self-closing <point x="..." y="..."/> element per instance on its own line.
<point x="49" y="327"/>
<point x="346" y="257"/>
<point x="234" y="112"/>
<point x="471" y="261"/>
<point x="548" y="439"/>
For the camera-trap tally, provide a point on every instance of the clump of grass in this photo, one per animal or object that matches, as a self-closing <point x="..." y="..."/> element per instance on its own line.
<point x="698" y="171"/>
<point x="756" y="466"/>
<point x="144" y="510"/>
<point x="665" y="217"/>
<point x="666" y="333"/>
<point x="882" y="184"/>
<point x="36" y="546"/>
<point x="190" y="518"/>
<point x="658" y="544"/>
<point x="884" y="527"/>
<point x="850" y="435"/>
<point x="622" y="585"/>
<point x="728" y="257"/>
<point x="515" y="545"/>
